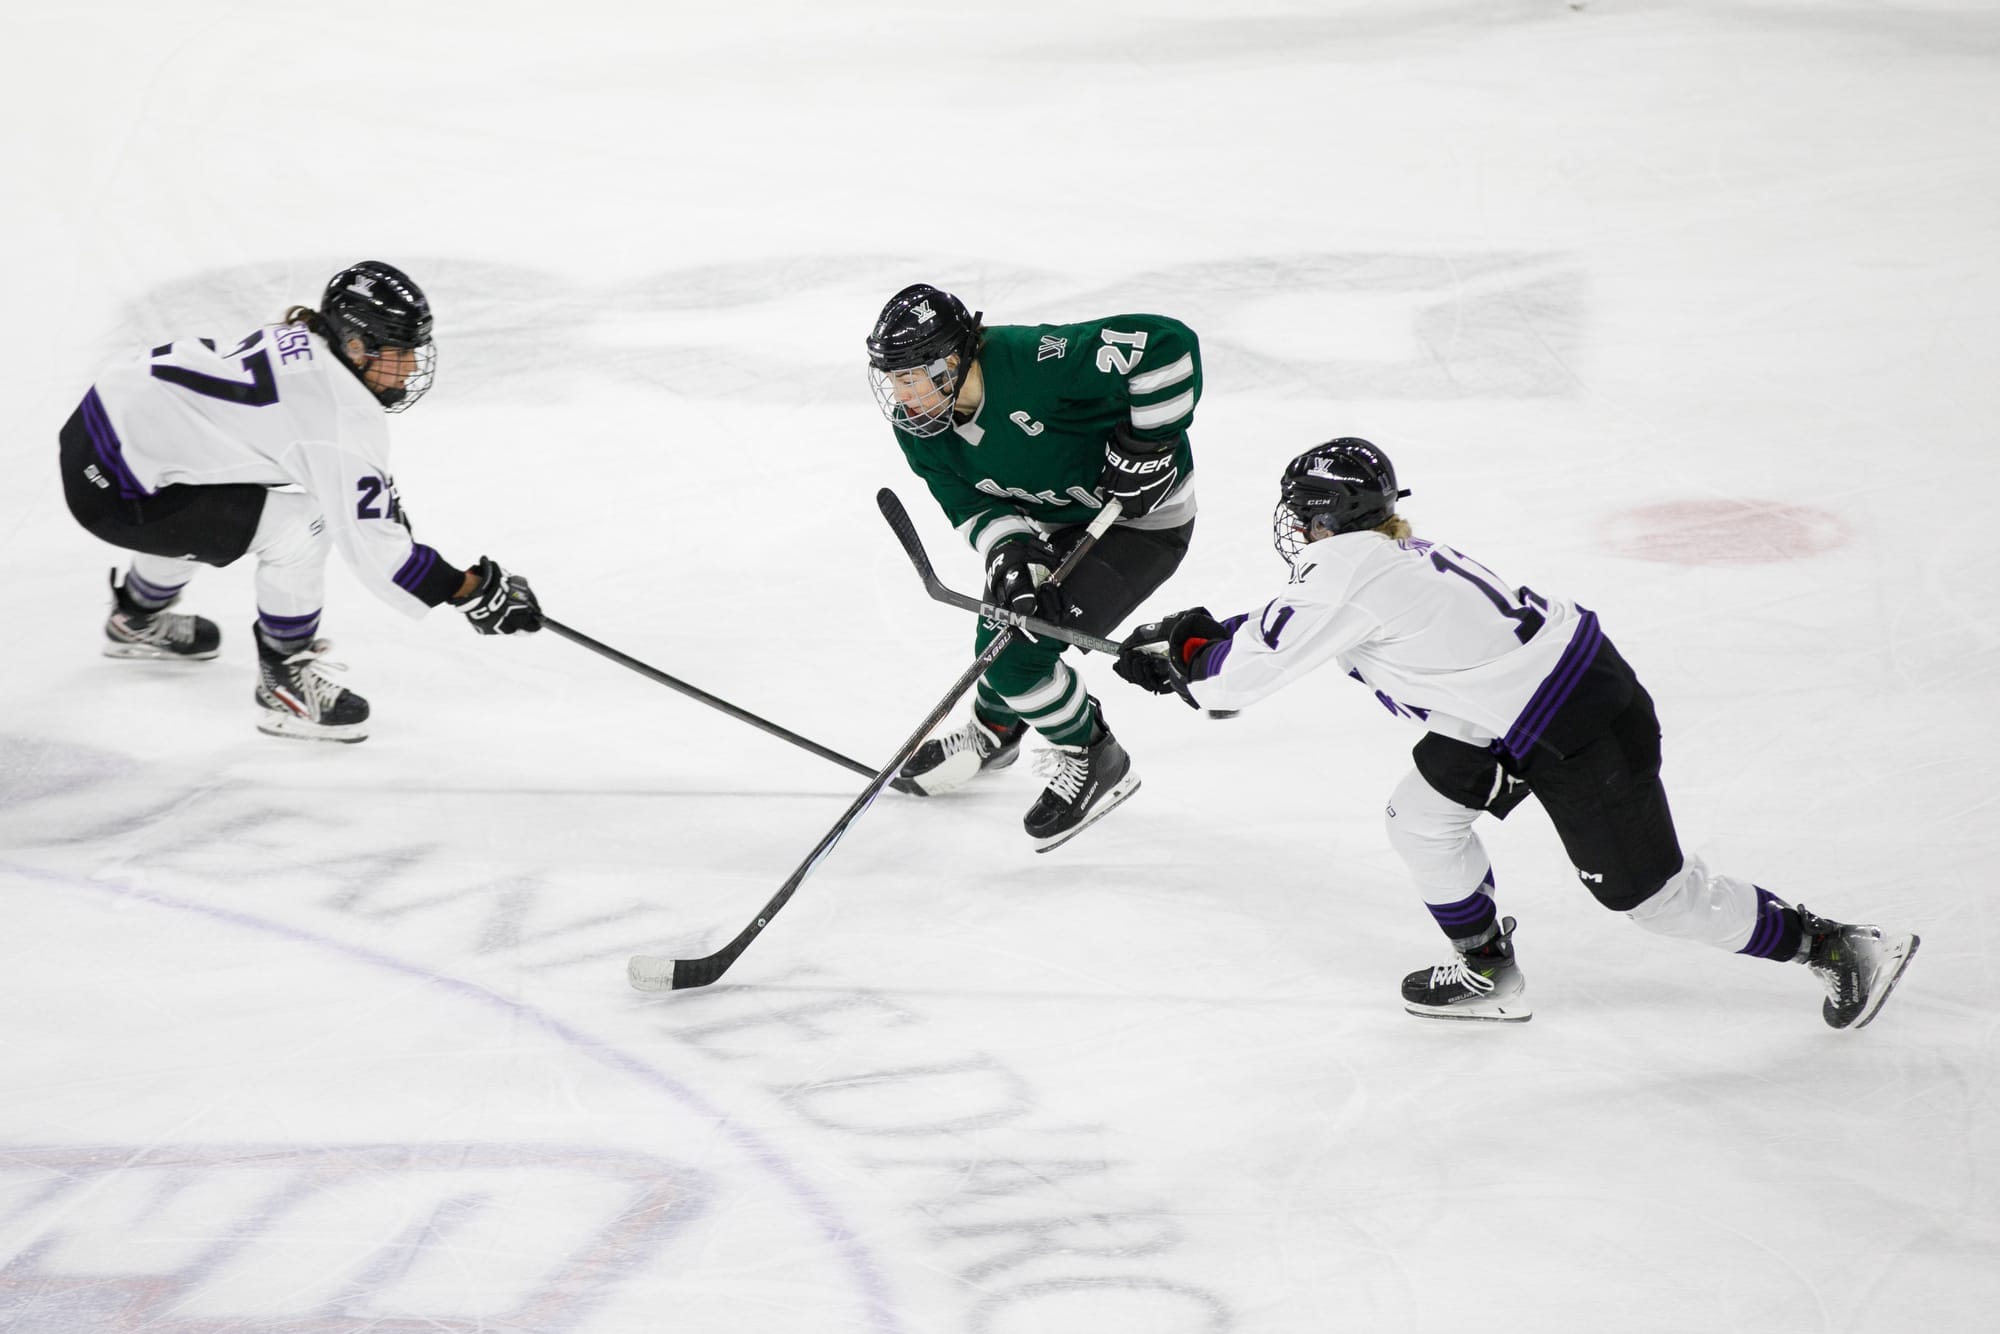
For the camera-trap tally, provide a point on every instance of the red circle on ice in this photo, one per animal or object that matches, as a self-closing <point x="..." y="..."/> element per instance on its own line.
<point x="1723" y="532"/>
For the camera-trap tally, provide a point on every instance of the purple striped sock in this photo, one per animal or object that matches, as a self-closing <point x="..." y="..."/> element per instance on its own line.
<point x="148" y="594"/>
<point x="1778" y="929"/>
<point x="1470" y="917"/>
<point x="287" y="632"/>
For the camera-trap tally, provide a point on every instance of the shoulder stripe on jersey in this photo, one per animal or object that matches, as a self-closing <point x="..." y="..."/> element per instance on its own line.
<point x="1146" y="416"/>
<point x="1172" y="374"/>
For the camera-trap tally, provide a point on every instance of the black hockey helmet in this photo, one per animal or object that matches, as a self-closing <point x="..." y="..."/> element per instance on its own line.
<point x="920" y="329"/>
<point x="379" y="304"/>
<point x="1343" y="486"/>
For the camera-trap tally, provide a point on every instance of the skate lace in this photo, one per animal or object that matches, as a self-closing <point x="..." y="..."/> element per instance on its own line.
<point x="1460" y="973"/>
<point x="1066" y="767"/>
<point x="307" y="677"/>
<point x="965" y="738"/>
<point x="159" y="627"/>
<point x="1840" y="963"/>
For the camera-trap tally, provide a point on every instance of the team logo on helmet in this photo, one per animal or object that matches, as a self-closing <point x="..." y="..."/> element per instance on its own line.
<point x="922" y="310"/>
<point x="363" y="285"/>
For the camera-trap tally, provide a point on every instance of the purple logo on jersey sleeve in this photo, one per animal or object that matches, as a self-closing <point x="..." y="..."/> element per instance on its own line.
<point x="294" y="344"/>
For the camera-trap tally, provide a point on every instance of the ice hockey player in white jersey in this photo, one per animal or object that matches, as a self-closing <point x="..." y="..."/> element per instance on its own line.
<point x="199" y="451"/>
<point x="1518" y="694"/>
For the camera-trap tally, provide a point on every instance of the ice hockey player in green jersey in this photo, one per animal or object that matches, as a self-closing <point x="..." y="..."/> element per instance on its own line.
<point x="1023" y="433"/>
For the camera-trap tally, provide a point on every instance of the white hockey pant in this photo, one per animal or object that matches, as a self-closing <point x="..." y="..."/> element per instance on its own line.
<point x="291" y="549"/>
<point x="1433" y="835"/>
<point x="158" y="579"/>
<point x="1697" y="905"/>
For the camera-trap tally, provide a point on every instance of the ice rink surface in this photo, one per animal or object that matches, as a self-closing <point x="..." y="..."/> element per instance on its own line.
<point x="1681" y="308"/>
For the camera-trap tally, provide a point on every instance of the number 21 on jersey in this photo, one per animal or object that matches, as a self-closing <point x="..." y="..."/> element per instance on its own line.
<point x="1110" y="358"/>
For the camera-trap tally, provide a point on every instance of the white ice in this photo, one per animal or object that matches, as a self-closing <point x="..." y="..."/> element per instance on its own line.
<point x="1683" y="308"/>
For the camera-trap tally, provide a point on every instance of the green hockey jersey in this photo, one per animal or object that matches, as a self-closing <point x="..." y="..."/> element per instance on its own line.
<point x="1028" y="458"/>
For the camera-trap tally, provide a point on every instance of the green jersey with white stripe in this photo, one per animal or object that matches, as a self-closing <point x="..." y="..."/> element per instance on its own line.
<point x="1029" y="456"/>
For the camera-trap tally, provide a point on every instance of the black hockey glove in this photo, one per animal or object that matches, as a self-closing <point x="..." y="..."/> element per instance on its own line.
<point x="502" y="604"/>
<point x="1159" y="656"/>
<point x="1138" y="473"/>
<point x="1017" y="575"/>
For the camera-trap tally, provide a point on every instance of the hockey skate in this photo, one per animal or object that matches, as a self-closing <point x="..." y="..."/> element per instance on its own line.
<point x="1482" y="983"/>
<point x="1858" y="965"/>
<point x="1085" y="784"/>
<point x="297" y="698"/>
<point x="956" y="758"/>
<point x="133" y="631"/>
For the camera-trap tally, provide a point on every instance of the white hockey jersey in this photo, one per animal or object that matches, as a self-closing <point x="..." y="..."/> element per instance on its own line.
<point x="275" y="408"/>
<point x="1433" y="632"/>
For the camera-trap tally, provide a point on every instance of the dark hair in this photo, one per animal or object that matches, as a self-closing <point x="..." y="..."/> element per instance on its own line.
<point x="309" y="317"/>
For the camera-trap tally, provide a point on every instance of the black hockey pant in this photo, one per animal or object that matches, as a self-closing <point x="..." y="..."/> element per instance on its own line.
<point x="211" y="524"/>
<point x="1596" y="772"/>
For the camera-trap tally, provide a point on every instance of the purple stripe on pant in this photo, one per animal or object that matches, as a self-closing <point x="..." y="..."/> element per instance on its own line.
<point x="1556" y="689"/>
<point x="110" y="453"/>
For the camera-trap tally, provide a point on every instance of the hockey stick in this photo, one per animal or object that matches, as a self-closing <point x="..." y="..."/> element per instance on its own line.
<point x="650" y="972"/>
<point x="655" y="674"/>
<point x="913" y="546"/>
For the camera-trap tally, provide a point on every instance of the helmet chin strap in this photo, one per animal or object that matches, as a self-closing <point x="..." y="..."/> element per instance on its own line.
<point x="971" y="387"/>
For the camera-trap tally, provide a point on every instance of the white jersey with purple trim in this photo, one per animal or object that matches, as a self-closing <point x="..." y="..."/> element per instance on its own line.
<point x="277" y="407"/>
<point x="1434" y="633"/>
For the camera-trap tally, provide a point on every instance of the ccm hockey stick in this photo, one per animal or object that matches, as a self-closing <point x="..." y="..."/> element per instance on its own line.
<point x="913" y="546"/>
<point x="741" y="715"/>
<point x="648" y="972"/>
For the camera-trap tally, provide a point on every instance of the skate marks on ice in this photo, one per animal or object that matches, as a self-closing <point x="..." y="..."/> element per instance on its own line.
<point x="1430" y="327"/>
<point x="1434" y="326"/>
<point x="1014" y="1215"/>
<point x="36" y="767"/>
<point x="219" y="1235"/>
<point x="1030" y="1224"/>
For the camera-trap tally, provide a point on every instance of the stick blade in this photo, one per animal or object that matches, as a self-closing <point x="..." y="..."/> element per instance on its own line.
<point x="656" y="972"/>
<point x="650" y="972"/>
<point x="892" y="509"/>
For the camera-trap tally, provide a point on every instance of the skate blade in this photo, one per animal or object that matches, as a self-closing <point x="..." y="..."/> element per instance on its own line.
<point x="298" y="729"/>
<point x="1112" y="801"/>
<point x="1507" y="1012"/>
<point x="148" y="653"/>
<point x="1887" y="982"/>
